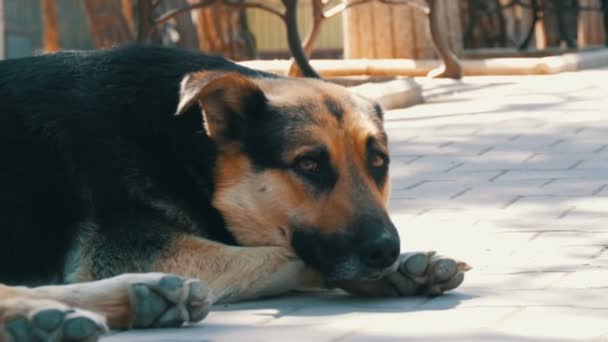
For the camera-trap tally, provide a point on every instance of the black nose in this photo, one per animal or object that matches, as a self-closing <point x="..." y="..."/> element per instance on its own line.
<point x="381" y="252"/>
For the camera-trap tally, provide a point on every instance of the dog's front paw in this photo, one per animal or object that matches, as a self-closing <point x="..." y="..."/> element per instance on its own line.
<point x="23" y="320"/>
<point x="418" y="273"/>
<point x="166" y="300"/>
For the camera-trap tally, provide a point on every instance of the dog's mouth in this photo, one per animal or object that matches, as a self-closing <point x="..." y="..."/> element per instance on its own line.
<point x="352" y="270"/>
<point x="349" y="257"/>
<point x="376" y="275"/>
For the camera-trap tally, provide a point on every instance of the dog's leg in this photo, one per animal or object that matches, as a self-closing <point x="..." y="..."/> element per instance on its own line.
<point x="236" y="273"/>
<point x="137" y="300"/>
<point x="26" y="315"/>
<point x="417" y="273"/>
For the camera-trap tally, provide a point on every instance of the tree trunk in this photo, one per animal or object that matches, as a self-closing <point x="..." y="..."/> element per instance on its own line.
<point x="108" y="21"/>
<point x="377" y="30"/>
<point x="224" y="30"/>
<point x="127" y="11"/>
<point x="591" y="25"/>
<point x="2" y="33"/>
<point x="50" y="41"/>
<point x="559" y="24"/>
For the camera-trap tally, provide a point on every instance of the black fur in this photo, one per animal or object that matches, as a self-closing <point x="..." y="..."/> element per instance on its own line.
<point x="334" y="108"/>
<point x="90" y="139"/>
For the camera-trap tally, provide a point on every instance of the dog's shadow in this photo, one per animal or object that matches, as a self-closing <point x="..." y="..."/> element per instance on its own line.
<point x="228" y="321"/>
<point x="338" y="303"/>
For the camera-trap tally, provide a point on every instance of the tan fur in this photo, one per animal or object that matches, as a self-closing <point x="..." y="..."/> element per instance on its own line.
<point x="285" y="198"/>
<point x="237" y="273"/>
<point x="108" y="297"/>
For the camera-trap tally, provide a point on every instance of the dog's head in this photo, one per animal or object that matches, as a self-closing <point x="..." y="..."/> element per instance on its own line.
<point x="302" y="164"/>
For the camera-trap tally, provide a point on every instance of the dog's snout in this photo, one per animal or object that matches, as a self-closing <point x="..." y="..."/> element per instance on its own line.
<point x="381" y="252"/>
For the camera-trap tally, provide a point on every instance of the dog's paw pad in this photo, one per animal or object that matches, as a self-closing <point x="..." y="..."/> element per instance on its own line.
<point x="49" y="319"/>
<point x="168" y="301"/>
<point x="443" y="270"/>
<point x="198" y="300"/>
<point x="81" y="328"/>
<point x="433" y="274"/>
<point x="415" y="264"/>
<point x="56" y="324"/>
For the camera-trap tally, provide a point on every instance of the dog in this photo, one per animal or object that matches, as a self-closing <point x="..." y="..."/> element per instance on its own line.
<point x="139" y="185"/>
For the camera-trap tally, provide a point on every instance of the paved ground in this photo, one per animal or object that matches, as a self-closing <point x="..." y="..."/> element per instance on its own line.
<point x="508" y="174"/>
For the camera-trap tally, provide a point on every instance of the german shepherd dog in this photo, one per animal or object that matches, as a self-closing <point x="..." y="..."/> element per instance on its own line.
<point x="139" y="185"/>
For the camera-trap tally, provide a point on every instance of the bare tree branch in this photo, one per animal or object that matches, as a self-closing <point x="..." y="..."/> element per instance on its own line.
<point x="174" y="12"/>
<point x="337" y="9"/>
<point x="257" y="5"/>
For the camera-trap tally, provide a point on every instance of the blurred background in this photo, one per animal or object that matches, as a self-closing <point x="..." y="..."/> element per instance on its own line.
<point x="329" y="29"/>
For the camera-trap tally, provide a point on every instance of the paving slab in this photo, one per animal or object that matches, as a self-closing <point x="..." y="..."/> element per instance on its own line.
<point x="507" y="173"/>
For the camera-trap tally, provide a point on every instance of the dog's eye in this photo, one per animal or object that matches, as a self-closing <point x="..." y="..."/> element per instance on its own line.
<point x="307" y="164"/>
<point x="314" y="167"/>
<point x="378" y="160"/>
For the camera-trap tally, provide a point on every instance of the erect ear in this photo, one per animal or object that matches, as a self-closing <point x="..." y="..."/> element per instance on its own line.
<point x="230" y="101"/>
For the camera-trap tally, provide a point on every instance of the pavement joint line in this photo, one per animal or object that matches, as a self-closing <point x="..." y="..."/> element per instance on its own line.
<point x="460" y="193"/>
<point x="412" y="138"/>
<point x="510" y="314"/>
<point x="486" y="150"/>
<point x="550" y="181"/>
<point x="559" y="278"/>
<point x="512" y="201"/>
<point x="553" y="231"/>
<point x="477" y="131"/>
<point x="600" y="149"/>
<point x="422" y="212"/>
<point x="406" y="140"/>
<point x="500" y="174"/>
<point x="515" y="137"/>
<point x="530" y="157"/>
<point x="557" y="142"/>
<point x="417" y="184"/>
<point x="566" y="212"/>
<point x="445" y="144"/>
<point x="555" y="195"/>
<point x="576" y="164"/>
<point x="537" y="272"/>
<point x="453" y="167"/>
<point x="413" y="160"/>
<point x="535" y="236"/>
<point x="579" y="130"/>
<point x="599" y="254"/>
<point x="599" y="189"/>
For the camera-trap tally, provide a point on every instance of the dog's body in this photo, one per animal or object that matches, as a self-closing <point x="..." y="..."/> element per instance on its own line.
<point x="281" y="184"/>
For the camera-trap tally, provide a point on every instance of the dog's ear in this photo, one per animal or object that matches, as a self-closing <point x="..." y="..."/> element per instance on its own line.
<point x="230" y="102"/>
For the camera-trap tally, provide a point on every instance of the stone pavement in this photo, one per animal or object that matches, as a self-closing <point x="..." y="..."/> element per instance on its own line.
<point x="507" y="173"/>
